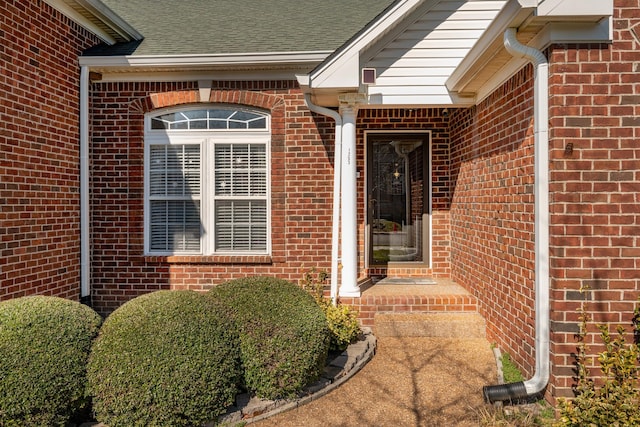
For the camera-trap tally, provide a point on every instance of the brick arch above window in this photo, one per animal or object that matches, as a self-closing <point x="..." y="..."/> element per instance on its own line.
<point x="153" y="101"/>
<point x="273" y="104"/>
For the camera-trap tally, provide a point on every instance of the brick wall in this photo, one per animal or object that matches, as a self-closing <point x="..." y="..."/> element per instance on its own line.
<point x="39" y="150"/>
<point x="595" y="186"/>
<point x="492" y="250"/>
<point x="594" y="202"/>
<point x="302" y="184"/>
<point x="301" y="193"/>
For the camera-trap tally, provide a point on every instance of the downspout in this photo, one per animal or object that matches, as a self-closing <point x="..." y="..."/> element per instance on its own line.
<point x="540" y="379"/>
<point x="85" y="279"/>
<point x="337" y="174"/>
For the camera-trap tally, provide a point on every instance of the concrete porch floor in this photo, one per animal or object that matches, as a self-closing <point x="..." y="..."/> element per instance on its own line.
<point x="414" y="286"/>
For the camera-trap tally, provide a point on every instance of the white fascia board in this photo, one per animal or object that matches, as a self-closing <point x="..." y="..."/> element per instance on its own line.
<point x="376" y="100"/>
<point x="102" y="14"/>
<point x="276" y="66"/>
<point x="574" y="32"/>
<point x="554" y="32"/>
<point x="182" y="61"/>
<point x="343" y="69"/>
<point x="575" y="8"/>
<point x="187" y="75"/>
<point x="111" y="19"/>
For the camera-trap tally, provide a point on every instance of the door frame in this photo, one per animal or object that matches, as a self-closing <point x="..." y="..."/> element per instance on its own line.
<point x="428" y="191"/>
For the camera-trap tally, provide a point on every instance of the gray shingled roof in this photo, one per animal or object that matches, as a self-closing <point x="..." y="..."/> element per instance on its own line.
<point x="194" y="27"/>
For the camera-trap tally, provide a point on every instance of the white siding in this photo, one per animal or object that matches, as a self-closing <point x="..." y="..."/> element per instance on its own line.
<point x="414" y="65"/>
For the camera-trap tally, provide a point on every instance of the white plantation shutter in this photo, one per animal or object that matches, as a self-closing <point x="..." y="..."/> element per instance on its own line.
<point x="174" y="198"/>
<point x="240" y="197"/>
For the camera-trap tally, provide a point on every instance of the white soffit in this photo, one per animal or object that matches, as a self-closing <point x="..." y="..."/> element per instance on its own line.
<point x="488" y="65"/>
<point x="96" y="17"/>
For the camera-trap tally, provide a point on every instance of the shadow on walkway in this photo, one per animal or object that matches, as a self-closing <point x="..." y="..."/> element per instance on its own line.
<point x="412" y="381"/>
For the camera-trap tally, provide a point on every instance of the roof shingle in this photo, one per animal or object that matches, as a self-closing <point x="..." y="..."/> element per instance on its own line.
<point x="194" y="27"/>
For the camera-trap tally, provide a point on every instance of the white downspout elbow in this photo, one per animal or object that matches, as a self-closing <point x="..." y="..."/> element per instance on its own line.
<point x="337" y="175"/>
<point x="540" y="378"/>
<point x="85" y="251"/>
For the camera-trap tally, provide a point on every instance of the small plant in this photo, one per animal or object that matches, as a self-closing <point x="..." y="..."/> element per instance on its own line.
<point x="341" y="319"/>
<point x="510" y="371"/>
<point x="613" y="401"/>
<point x="44" y="346"/>
<point x="343" y="325"/>
<point x="164" y="358"/>
<point x="283" y="334"/>
<point x="534" y="414"/>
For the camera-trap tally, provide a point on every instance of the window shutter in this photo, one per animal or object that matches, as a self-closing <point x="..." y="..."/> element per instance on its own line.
<point x="241" y="205"/>
<point x="241" y="225"/>
<point x="174" y="188"/>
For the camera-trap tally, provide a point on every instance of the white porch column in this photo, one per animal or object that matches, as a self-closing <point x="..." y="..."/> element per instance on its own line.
<point x="349" y="285"/>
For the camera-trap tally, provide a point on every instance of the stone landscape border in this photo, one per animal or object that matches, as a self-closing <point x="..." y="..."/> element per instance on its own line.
<point x="336" y="372"/>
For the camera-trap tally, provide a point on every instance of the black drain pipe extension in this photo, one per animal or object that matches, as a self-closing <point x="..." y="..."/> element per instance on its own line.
<point x="535" y="385"/>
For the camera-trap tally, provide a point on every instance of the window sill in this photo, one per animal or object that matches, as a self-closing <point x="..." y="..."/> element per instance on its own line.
<point x="210" y="259"/>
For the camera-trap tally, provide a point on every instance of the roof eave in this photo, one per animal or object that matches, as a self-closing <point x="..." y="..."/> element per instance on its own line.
<point x="96" y="17"/>
<point x="543" y="23"/>
<point x="245" y="66"/>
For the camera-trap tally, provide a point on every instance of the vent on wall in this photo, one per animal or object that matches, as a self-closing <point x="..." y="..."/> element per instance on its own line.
<point x="368" y="76"/>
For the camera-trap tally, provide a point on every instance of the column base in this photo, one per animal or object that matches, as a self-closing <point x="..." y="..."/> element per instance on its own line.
<point x="349" y="293"/>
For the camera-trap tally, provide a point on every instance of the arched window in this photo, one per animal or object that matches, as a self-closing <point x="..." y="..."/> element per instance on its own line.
<point x="207" y="181"/>
<point x="210" y="119"/>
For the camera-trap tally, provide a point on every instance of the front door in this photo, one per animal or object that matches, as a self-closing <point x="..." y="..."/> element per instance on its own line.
<point x="398" y="194"/>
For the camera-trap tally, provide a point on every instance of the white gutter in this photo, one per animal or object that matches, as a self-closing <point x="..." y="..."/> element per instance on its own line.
<point x="541" y="225"/>
<point x="85" y="284"/>
<point x="248" y="59"/>
<point x="337" y="172"/>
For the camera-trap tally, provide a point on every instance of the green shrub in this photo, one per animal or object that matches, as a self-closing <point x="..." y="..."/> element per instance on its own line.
<point x="615" y="399"/>
<point x="164" y="358"/>
<point x="283" y="334"/>
<point x="342" y="320"/>
<point x="343" y="325"/>
<point x="44" y="346"/>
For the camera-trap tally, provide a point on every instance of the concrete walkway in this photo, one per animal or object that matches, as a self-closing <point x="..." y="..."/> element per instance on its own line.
<point x="412" y="381"/>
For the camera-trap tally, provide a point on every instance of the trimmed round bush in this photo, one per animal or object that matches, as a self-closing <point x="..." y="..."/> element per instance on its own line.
<point x="44" y="345"/>
<point x="168" y="358"/>
<point x="284" y="338"/>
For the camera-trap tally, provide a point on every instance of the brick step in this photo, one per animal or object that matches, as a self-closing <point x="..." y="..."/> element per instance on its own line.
<point x="411" y="295"/>
<point x="440" y="325"/>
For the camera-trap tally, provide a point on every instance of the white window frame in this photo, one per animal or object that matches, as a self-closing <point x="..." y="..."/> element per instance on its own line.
<point x="207" y="139"/>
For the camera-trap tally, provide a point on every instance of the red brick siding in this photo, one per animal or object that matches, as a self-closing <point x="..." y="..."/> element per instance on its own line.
<point x="492" y="250"/>
<point x="39" y="150"/>
<point x="595" y="185"/>
<point x="594" y="202"/>
<point x="302" y="183"/>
